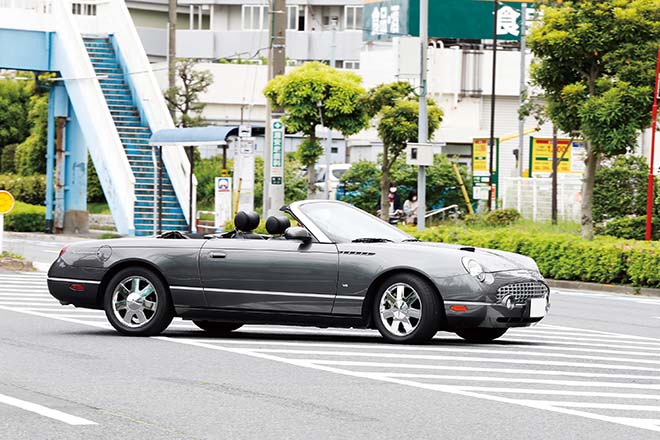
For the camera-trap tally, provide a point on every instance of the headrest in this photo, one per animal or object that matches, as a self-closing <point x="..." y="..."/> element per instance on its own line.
<point x="246" y="221"/>
<point x="277" y="224"/>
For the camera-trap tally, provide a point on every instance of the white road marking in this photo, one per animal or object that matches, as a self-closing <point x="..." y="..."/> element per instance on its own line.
<point x="542" y="391"/>
<point x="462" y="358"/>
<point x="615" y="406"/>
<point x="44" y="411"/>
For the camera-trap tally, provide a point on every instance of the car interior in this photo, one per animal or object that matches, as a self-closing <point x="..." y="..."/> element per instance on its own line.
<point x="244" y="223"/>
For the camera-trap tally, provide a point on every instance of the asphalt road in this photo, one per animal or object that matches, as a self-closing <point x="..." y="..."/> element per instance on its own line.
<point x="590" y="370"/>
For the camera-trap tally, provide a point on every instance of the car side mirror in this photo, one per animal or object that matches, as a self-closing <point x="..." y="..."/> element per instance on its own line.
<point x="297" y="233"/>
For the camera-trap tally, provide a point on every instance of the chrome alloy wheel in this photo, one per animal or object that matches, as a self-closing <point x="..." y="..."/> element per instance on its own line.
<point x="134" y="301"/>
<point x="400" y="309"/>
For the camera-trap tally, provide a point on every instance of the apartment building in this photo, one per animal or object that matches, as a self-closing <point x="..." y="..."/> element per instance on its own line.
<point x="317" y="30"/>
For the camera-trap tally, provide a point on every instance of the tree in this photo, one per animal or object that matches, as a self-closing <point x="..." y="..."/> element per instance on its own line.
<point x="185" y="98"/>
<point x="362" y="182"/>
<point x="315" y="93"/>
<point x="396" y="109"/>
<point x="14" y="109"/>
<point x="620" y="188"/>
<point x="30" y="155"/>
<point x="595" y="61"/>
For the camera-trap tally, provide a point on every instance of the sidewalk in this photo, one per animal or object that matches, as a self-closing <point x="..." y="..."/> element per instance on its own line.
<point x="613" y="289"/>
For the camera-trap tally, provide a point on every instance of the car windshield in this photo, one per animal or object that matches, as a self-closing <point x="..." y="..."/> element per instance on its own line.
<point x="339" y="172"/>
<point x="344" y="223"/>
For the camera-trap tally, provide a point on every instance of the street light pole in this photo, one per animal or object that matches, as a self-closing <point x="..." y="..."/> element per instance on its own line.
<point x="328" y="143"/>
<point x="654" y="119"/>
<point x="491" y="142"/>
<point x="423" y="127"/>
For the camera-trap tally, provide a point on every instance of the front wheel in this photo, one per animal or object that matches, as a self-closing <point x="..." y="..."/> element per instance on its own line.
<point x="407" y="309"/>
<point x="217" y="328"/>
<point x="481" y="335"/>
<point x="137" y="303"/>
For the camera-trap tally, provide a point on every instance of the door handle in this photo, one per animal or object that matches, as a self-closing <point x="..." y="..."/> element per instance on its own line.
<point x="217" y="255"/>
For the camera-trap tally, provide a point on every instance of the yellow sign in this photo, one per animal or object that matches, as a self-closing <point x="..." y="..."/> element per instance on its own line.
<point x="570" y="156"/>
<point x="6" y="202"/>
<point x="480" y="158"/>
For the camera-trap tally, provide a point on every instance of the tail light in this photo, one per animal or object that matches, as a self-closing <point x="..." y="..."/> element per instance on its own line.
<point x="63" y="250"/>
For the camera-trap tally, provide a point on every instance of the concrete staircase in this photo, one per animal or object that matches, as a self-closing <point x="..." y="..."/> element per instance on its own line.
<point x="134" y="135"/>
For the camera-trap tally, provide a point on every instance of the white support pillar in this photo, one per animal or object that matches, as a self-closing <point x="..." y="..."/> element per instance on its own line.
<point x="211" y="18"/>
<point x="191" y="14"/>
<point x="201" y="17"/>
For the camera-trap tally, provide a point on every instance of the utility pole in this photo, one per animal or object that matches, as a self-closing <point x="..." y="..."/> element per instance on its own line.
<point x="274" y="154"/>
<point x="171" y="51"/>
<point x="423" y="123"/>
<point x="523" y="84"/>
<point x="491" y="142"/>
<point x="328" y="145"/>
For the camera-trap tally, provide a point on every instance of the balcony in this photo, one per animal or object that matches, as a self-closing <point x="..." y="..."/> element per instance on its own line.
<point x="206" y="44"/>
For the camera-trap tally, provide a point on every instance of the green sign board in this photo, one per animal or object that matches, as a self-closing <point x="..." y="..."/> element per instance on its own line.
<point x="464" y="19"/>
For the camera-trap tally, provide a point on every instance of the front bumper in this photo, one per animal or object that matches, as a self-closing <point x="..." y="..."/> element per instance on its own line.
<point x="489" y="315"/>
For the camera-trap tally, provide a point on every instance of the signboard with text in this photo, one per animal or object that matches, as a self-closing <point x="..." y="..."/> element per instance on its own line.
<point x="570" y="156"/>
<point x="223" y="202"/>
<point x="277" y="153"/>
<point x="481" y="168"/>
<point x="464" y="19"/>
<point x="244" y="174"/>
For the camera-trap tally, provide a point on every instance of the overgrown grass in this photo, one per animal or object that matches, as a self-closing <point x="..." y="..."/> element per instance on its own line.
<point x="6" y="254"/>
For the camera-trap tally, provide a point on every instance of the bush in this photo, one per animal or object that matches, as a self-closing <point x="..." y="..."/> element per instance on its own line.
<point x="27" y="189"/>
<point x="632" y="228"/>
<point x="620" y="188"/>
<point x="26" y="218"/>
<point x="7" y="165"/>
<point x="565" y="256"/>
<point x="500" y="217"/>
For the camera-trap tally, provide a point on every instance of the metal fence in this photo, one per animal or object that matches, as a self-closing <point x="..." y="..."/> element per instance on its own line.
<point x="532" y="197"/>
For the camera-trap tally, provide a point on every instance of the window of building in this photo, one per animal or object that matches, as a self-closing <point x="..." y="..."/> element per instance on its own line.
<point x="254" y="17"/>
<point x="334" y="150"/>
<point x="295" y="18"/>
<point x="353" y="65"/>
<point x="83" y="9"/>
<point x="352" y="18"/>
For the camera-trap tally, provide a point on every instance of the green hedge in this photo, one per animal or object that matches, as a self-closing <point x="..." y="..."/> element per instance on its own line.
<point x="26" y="218"/>
<point x="566" y="256"/>
<point x="27" y="189"/>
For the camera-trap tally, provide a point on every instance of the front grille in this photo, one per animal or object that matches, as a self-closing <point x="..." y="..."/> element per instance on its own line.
<point x="522" y="291"/>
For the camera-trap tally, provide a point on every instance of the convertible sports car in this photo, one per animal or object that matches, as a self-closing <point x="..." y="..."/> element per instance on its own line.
<point x="340" y="267"/>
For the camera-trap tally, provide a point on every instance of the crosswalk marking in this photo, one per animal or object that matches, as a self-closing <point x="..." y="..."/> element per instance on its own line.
<point x="567" y="370"/>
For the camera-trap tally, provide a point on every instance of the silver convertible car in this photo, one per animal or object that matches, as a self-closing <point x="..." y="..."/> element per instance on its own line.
<point x="340" y="267"/>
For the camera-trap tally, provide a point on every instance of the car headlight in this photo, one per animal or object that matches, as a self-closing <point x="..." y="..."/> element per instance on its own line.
<point x="474" y="268"/>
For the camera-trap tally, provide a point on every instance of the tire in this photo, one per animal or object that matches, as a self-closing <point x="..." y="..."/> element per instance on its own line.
<point x="217" y="328"/>
<point x="481" y="335"/>
<point x="135" y="309"/>
<point x="407" y="309"/>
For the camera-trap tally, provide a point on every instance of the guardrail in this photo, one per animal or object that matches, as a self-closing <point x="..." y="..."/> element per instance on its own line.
<point x="446" y="209"/>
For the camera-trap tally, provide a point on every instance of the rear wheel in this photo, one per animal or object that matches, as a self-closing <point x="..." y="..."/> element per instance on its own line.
<point x="137" y="303"/>
<point x="407" y="309"/>
<point x="481" y="335"/>
<point x="217" y="328"/>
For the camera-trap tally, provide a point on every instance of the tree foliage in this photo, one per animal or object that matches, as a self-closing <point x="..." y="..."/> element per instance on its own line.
<point x="595" y="61"/>
<point x="316" y="94"/>
<point x="14" y="108"/>
<point x="30" y="155"/>
<point x="362" y="183"/>
<point x="185" y="97"/>
<point x="620" y="188"/>
<point x="396" y="110"/>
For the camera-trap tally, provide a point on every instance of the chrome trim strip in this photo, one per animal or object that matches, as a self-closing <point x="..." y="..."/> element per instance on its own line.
<point x="265" y="292"/>
<point x="470" y="303"/>
<point x="200" y="289"/>
<point x="71" y="280"/>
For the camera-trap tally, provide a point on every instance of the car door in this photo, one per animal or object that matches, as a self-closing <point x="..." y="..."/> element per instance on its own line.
<point x="274" y="275"/>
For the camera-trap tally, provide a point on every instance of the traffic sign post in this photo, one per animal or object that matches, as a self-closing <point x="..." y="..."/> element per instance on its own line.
<point x="276" y="167"/>
<point x="6" y="205"/>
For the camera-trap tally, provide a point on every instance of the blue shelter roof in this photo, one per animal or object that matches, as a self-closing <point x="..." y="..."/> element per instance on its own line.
<point x="194" y="136"/>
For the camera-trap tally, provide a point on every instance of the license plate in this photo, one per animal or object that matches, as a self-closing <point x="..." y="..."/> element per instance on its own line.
<point x="537" y="307"/>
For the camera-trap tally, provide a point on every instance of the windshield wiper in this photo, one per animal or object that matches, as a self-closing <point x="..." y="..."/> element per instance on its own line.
<point x="411" y="239"/>
<point x="372" y="240"/>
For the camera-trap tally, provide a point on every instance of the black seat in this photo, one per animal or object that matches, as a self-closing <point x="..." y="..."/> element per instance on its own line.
<point x="245" y="223"/>
<point x="277" y="224"/>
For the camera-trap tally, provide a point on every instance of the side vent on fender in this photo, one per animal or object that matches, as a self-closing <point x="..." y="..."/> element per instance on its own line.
<point x="357" y="253"/>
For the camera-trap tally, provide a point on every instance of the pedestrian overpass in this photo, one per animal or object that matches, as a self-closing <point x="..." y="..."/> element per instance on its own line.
<point x="105" y="101"/>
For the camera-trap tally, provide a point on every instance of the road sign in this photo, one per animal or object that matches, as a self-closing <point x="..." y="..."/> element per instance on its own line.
<point x="244" y="174"/>
<point x="244" y="131"/>
<point x="6" y="202"/>
<point x="6" y="205"/>
<point x="277" y="153"/>
<point x="223" y="202"/>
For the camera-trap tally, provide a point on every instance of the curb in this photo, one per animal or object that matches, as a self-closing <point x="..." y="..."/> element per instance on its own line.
<point x="41" y="236"/>
<point x="604" y="288"/>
